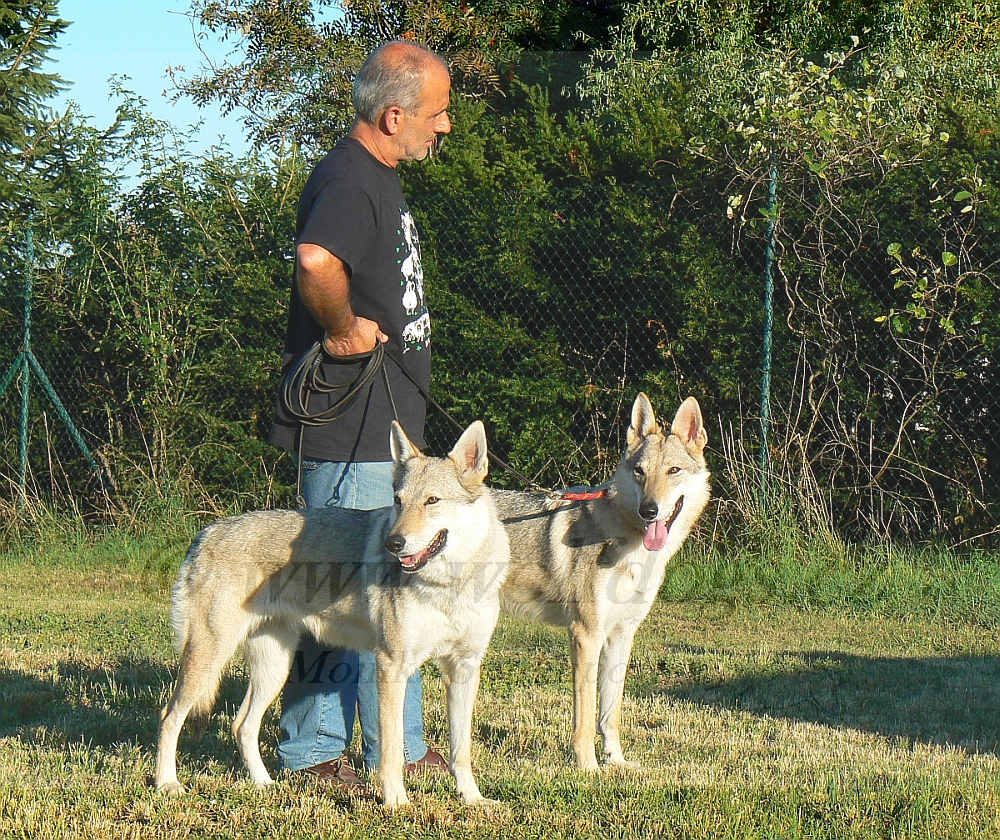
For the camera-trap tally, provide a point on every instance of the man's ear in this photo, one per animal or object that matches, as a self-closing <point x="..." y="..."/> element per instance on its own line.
<point x="392" y="120"/>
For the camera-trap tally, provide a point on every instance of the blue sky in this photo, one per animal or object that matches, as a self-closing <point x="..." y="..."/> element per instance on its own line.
<point x="139" y="39"/>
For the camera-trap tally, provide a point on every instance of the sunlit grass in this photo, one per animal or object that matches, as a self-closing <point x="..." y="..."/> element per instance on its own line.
<point x="803" y="696"/>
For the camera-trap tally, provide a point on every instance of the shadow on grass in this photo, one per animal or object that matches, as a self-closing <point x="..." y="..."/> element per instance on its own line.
<point x="108" y="706"/>
<point x="947" y="701"/>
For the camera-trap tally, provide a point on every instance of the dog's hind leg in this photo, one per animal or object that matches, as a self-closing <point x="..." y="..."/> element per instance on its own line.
<point x="171" y="720"/>
<point x="268" y="658"/>
<point x="614" y="664"/>
<point x="203" y="658"/>
<point x="461" y="679"/>
<point x="584" y="651"/>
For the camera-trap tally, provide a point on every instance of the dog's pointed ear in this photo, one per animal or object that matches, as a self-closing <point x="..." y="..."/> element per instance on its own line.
<point x="689" y="426"/>
<point x="400" y="445"/>
<point x="470" y="454"/>
<point x="643" y="420"/>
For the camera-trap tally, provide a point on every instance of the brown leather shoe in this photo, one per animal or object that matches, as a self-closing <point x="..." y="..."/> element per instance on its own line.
<point x="338" y="774"/>
<point x="432" y="762"/>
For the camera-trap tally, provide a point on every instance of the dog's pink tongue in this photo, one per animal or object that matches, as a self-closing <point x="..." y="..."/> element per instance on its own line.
<point x="411" y="562"/>
<point x="656" y="535"/>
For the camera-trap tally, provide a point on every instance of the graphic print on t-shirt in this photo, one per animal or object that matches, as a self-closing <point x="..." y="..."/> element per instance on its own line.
<point x="417" y="332"/>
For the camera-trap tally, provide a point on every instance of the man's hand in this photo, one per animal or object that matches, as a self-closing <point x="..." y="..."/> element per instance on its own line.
<point x="325" y="289"/>
<point x="361" y="338"/>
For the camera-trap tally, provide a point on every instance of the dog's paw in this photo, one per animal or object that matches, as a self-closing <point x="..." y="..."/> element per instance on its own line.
<point x="586" y="756"/>
<point x="393" y="803"/>
<point x="612" y="763"/>
<point x="170" y="788"/>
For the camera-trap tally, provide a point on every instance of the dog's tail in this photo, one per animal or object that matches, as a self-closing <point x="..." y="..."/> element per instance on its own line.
<point x="182" y="594"/>
<point x="203" y="649"/>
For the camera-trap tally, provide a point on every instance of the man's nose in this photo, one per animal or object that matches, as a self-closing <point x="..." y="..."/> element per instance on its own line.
<point x="444" y="124"/>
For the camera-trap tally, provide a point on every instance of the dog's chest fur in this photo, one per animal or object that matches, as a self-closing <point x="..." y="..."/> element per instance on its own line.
<point x="566" y="556"/>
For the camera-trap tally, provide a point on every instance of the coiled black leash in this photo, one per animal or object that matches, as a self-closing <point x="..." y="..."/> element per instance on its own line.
<point x="304" y="378"/>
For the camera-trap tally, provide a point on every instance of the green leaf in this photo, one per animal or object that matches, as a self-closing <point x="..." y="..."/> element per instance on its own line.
<point x="948" y="258"/>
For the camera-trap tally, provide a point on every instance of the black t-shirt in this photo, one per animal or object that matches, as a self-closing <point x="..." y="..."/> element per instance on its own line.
<point x="353" y="206"/>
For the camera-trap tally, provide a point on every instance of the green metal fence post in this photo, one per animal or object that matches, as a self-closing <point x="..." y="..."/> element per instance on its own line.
<point x="25" y="406"/>
<point x="765" y="381"/>
<point x="29" y="293"/>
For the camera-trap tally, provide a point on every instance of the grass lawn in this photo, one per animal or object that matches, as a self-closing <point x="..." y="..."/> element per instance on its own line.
<point x="748" y="717"/>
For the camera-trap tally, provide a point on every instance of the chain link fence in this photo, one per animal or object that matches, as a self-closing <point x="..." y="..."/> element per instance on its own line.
<point x="882" y="361"/>
<point x="551" y="313"/>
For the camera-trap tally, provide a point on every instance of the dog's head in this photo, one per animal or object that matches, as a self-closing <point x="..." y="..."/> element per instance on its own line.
<point x="436" y="499"/>
<point x="662" y="473"/>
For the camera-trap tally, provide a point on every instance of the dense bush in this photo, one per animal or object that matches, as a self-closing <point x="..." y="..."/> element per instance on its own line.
<point x="596" y="225"/>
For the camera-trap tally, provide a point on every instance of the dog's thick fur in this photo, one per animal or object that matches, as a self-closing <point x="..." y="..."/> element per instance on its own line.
<point x="259" y="580"/>
<point x="596" y="566"/>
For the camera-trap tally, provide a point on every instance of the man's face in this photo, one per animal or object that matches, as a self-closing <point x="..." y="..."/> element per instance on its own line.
<point x="419" y="128"/>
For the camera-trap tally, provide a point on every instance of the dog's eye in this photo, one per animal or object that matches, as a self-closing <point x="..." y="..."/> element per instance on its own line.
<point x="673" y="471"/>
<point x="398" y="502"/>
<point x="432" y="500"/>
<point x="639" y="473"/>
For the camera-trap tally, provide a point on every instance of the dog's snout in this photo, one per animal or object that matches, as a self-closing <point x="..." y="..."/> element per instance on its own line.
<point x="394" y="543"/>
<point x="648" y="511"/>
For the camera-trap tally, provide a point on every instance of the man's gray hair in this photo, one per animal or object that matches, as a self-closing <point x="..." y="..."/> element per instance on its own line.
<point x="391" y="76"/>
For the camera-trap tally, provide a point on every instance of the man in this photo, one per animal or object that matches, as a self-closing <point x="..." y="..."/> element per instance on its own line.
<point x="358" y="281"/>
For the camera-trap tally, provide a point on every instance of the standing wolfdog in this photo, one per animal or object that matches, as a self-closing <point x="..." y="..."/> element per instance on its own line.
<point x="595" y="566"/>
<point x="418" y="581"/>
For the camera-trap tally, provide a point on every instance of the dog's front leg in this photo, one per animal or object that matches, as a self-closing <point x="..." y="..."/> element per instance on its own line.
<point x="390" y="683"/>
<point x="614" y="664"/>
<point x="461" y="679"/>
<point x="584" y="650"/>
<point x="268" y="659"/>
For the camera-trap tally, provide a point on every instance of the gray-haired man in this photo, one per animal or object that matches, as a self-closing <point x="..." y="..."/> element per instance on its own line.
<point x="358" y="281"/>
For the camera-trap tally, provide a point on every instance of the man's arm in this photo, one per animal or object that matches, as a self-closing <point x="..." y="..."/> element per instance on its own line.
<point x="325" y="289"/>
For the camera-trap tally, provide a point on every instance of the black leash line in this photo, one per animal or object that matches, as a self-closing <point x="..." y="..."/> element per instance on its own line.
<point x="303" y="378"/>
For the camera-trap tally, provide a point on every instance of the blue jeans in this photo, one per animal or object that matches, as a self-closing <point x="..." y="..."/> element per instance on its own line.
<point x="325" y="686"/>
